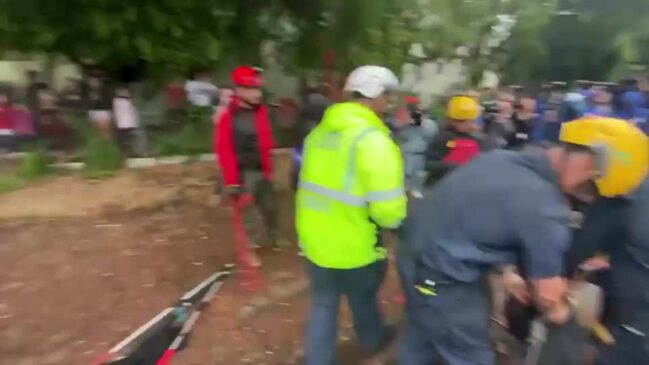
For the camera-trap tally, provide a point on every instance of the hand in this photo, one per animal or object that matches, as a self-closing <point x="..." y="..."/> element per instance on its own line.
<point x="516" y="286"/>
<point x="551" y="292"/>
<point x="595" y="263"/>
<point x="559" y="314"/>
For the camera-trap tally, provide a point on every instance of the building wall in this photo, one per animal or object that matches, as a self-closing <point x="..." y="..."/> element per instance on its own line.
<point x="15" y="71"/>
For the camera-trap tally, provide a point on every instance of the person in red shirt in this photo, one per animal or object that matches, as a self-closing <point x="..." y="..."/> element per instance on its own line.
<point x="7" y="118"/>
<point x="243" y="143"/>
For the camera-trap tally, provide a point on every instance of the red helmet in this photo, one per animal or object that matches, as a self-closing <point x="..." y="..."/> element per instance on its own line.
<point x="246" y="76"/>
<point x="412" y="100"/>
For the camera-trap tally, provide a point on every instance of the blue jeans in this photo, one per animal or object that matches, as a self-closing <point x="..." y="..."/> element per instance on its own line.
<point x="360" y="286"/>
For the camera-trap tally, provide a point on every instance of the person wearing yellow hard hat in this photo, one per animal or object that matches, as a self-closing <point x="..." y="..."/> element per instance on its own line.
<point x="458" y="141"/>
<point x="507" y="208"/>
<point x="615" y="226"/>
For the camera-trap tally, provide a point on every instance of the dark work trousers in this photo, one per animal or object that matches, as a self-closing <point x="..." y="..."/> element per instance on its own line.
<point x="265" y="203"/>
<point x="406" y="270"/>
<point x="360" y="286"/>
<point x="630" y="328"/>
<point x="629" y="349"/>
<point x="452" y="325"/>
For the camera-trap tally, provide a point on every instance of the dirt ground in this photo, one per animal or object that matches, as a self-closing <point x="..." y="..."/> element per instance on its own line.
<point x="269" y="329"/>
<point x="82" y="264"/>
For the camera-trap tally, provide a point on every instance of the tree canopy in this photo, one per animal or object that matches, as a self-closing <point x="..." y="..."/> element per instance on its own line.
<point x="525" y="40"/>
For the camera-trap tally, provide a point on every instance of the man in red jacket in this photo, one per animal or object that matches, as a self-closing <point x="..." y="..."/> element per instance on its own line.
<point x="243" y="143"/>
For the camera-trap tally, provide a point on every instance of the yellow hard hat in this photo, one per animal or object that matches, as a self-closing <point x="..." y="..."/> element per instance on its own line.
<point x="622" y="149"/>
<point x="462" y="108"/>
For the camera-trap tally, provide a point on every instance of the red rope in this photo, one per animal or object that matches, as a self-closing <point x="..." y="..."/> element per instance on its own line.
<point x="250" y="278"/>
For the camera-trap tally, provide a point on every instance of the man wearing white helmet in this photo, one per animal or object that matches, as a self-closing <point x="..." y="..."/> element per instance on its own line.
<point x="350" y="185"/>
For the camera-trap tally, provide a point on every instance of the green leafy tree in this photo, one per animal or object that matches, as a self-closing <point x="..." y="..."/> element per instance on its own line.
<point x="167" y="34"/>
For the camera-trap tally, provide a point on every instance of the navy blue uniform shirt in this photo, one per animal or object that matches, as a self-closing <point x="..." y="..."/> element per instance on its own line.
<point x="504" y="207"/>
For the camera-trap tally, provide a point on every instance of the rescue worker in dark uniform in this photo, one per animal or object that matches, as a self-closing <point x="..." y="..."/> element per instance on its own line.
<point x="506" y="208"/>
<point x="243" y="143"/>
<point x="458" y="142"/>
<point x="453" y="146"/>
<point x="618" y="228"/>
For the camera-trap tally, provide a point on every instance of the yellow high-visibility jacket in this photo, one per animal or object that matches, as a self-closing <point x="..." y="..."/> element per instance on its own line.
<point x="351" y="181"/>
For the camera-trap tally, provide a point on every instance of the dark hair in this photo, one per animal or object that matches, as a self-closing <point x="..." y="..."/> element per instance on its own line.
<point x="357" y="95"/>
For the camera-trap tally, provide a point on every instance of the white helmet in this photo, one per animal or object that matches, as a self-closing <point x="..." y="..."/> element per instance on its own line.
<point x="372" y="81"/>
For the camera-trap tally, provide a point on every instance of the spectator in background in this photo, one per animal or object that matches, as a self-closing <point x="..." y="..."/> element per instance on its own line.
<point x="526" y="121"/>
<point x="602" y="102"/>
<point x="201" y="91"/>
<point x="70" y="96"/>
<point x="314" y="104"/>
<point x="413" y="137"/>
<point x="174" y="99"/>
<point x="31" y="93"/>
<point x="130" y="136"/>
<point x="31" y="99"/>
<point x="499" y="127"/>
<point x="225" y="96"/>
<point x="98" y="101"/>
<point x="638" y="103"/>
<point x="52" y="126"/>
<point x="553" y="110"/>
<point x="584" y="88"/>
<point x="7" y="117"/>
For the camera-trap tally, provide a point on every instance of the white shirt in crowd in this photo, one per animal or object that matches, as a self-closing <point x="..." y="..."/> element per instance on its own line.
<point x="200" y="93"/>
<point x="126" y="115"/>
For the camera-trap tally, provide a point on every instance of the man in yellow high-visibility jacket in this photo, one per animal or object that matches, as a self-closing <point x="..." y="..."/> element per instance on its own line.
<point x="351" y="184"/>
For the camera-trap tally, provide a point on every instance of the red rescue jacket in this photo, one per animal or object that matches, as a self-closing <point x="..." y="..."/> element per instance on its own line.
<point x="224" y="147"/>
<point x="461" y="150"/>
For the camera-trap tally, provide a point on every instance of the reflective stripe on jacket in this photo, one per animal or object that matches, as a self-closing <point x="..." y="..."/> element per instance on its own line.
<point x="351" y="181"/>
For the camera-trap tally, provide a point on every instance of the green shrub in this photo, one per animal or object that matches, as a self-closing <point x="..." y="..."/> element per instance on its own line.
<point x="101" y="156"/>
<point x="193" y="138"/>
<point x="34" y="165"/>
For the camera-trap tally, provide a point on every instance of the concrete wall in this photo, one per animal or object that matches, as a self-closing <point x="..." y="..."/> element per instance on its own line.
<point x="15" y="71"/>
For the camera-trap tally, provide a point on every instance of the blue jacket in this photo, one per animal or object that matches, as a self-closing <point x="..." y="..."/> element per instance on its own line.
<point x="503" y="207"/>
<point x="637" y="108"/>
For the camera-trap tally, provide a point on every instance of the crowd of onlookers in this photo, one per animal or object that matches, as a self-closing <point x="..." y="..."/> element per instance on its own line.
<point x="510" y="117"/>
<point x="37" y="112"/>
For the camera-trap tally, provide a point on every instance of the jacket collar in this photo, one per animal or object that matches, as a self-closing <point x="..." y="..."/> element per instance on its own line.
<point x="534" y="158"/>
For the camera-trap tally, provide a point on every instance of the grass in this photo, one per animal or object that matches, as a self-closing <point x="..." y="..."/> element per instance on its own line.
<point x="10" y="183"/>
<point x="34" y="165"/>
<point x="193" y="138"/>
<point x="101" y="157"/>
